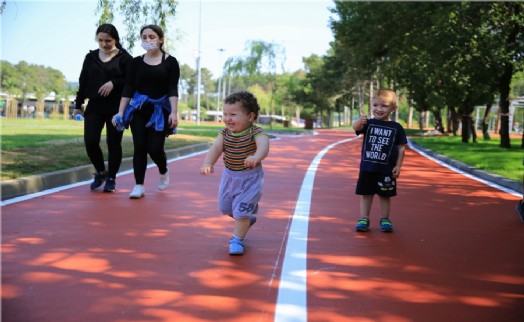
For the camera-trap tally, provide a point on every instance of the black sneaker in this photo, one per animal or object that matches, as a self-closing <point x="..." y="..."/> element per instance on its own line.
<point x="100" y="177"/>
<point x="110" y="185"/>
<point x="519" y="208"/>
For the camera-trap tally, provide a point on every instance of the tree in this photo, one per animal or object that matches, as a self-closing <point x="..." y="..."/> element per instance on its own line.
<point x="263" y="59"/>
<point x="320" y="87"/>
<point x="22" y="79"/>
<point x="10" y="78"/>
<point x="455" y="54"/>
<point x="507" y="19"/>
<point x="187" y="81"/>
<point x="288" y="84"/>
<point x="136" y="13"/>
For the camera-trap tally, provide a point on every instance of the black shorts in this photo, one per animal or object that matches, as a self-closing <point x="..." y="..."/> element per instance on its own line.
<point x="370" y="183"/>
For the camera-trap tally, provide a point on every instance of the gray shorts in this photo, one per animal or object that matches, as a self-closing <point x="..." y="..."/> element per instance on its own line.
<point x="240" y="192"/>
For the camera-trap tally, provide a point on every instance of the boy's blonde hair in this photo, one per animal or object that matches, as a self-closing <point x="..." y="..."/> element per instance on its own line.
<point x="387" y="94"/>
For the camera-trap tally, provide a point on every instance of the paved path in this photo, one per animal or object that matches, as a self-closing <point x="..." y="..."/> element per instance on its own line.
<point x="456" y="253"/>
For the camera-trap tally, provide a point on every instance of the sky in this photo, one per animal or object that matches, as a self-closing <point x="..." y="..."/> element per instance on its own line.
<point x="58" y="34"/>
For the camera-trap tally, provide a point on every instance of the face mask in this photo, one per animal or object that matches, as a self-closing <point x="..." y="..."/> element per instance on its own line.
<point x="110" y="50"/>
<point x="149" y="45"/>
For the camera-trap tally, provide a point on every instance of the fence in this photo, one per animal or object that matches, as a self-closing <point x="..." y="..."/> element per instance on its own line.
<point x="11" y="108"/>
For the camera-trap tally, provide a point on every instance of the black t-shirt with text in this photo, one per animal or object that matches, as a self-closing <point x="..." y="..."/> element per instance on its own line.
<point x="380" y="145"/>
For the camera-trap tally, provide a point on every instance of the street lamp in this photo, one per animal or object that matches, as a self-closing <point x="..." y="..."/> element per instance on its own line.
<point x="221" y="50"/>
<point x="199" y="76"/>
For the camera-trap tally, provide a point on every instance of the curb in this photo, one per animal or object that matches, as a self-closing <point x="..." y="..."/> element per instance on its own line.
<point x="37" y="183"/>
<point x="494" y="178"/>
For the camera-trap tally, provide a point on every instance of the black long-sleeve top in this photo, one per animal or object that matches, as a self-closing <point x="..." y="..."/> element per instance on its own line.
<point x="154" y="81"/>
<point x="96" y="73"/>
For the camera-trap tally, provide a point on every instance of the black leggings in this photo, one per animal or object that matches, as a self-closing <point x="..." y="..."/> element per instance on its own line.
<point x="93" y="126"/>
<point x="147" y="140"/>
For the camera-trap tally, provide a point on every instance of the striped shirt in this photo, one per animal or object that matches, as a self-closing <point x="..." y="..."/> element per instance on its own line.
<point x="239" y="146"/>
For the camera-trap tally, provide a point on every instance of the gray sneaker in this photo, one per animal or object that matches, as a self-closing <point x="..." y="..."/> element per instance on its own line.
<point x="163" y="182"/>
<point x="236" y="246"/>
<point x="138" y="192"/>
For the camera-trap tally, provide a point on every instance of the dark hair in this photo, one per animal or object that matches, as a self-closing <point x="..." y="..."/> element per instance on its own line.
<point x="157" y="30"/>
<point x="109" y="29"/>
<point x="249" y="101"/>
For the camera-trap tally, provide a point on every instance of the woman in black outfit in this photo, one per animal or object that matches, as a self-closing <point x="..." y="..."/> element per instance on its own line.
<point x="101" y="82"/>
<point x="149" y="106"/>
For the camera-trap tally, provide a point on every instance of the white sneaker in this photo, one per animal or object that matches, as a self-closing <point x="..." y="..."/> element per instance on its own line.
<point x="138" y="192"/>
<point x="163" y="182"/>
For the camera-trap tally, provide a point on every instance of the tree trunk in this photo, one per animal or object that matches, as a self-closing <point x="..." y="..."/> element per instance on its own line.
<point x="473" y="130"/>
<point x="449" y="121"/>
<point x="421" y="121"/>
<point x="438" y="120"/>
<point x="505" y="82"/>
<point x="454" y="120"/>
<point x="504" y="109"/>
<point x="297" y="115"/>
<point x="40" y="109"/>
<point x="410" y="115"/>
<point x="485" y="122"/>
<point x="466" y="127"/>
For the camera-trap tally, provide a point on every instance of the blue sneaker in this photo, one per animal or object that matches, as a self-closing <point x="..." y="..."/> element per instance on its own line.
<point x="100" y="177"/>
<point x="236" y="246"/>
<point x="362" y="224"/>
<point x="386" y="225"/>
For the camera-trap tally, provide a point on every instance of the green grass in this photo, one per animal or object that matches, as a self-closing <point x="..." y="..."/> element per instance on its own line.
<point x="485" y="154"/>
<point x="31" y="146"/>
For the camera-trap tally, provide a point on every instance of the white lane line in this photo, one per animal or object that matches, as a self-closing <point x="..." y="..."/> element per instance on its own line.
<point x="292" y="290"/>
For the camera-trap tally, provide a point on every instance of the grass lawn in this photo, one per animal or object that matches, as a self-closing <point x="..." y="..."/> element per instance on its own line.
<point x="31" y="146"/>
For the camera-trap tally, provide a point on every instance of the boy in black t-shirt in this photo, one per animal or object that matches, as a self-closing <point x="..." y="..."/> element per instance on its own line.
<point x="383" y="149"/>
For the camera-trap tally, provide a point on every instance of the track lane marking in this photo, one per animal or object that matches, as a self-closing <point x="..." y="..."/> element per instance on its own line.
<point x="292" y="290"/>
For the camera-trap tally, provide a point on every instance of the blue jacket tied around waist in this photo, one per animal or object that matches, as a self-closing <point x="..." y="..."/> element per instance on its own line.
<point x="157" y="118"/>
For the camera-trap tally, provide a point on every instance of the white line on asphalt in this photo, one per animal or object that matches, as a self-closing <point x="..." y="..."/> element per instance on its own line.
<point x="292" y="290"/>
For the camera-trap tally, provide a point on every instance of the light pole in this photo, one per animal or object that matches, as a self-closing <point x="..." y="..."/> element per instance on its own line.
<point x="199" y="76"/>
<point x="221" y="50"/>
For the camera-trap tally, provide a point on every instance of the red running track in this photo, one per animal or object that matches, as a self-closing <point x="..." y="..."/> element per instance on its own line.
<point x="456" y="253"/>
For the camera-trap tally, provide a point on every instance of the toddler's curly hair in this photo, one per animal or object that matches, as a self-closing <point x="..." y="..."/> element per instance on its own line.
<point x="246" y="99"/>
